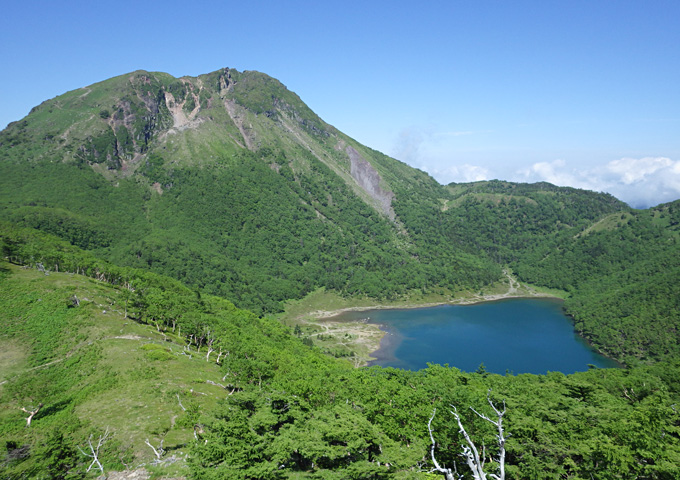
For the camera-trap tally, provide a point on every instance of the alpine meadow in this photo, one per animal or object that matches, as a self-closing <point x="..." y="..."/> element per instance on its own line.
<point x="170" y="244"/>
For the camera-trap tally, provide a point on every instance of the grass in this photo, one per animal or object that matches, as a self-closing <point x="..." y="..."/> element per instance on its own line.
<point x="13" y="360"/>
<point x="103" y="376"/>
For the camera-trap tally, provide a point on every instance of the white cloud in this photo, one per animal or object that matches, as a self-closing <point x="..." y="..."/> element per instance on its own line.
<point x="458" y="173"/>
<point x="640" y="182"/>
<point x="553" y="172"/>
<point x="632" y="170"/>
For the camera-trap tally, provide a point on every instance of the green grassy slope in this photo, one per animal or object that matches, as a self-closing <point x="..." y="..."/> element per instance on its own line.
<point x="126" y="351"/>
<point x="93" y="370"/>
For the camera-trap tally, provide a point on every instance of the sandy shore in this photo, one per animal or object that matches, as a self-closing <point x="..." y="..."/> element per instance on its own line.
<point x="326" y="314"/>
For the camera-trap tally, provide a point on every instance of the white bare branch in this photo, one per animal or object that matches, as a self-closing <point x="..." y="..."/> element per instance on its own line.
<point x="180" y="403"/>
<point x="446" y="471"/>
<point x="94" y="451"/>
<point x="216" y="384"/>
<point x="158" y="452"/>
<point x="470" y="453"/>
<point x="31" y="414"/>
<point x="500" y="436"/>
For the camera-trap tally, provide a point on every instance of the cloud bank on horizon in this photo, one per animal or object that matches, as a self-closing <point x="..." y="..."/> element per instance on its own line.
<point x="640" y="182"/>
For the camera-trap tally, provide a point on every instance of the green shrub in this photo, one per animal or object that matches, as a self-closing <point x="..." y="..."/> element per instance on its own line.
<point x="153" y="351"/>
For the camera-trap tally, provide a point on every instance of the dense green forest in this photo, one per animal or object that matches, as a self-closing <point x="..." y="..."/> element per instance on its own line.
<point x="278" y="415"/>
<point x="150" y="226"/>
<point x="619" y="266"/>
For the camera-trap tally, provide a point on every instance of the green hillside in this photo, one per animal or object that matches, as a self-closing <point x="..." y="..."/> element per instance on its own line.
<point x="229" y="183"/>
<point x="151" y="226"/>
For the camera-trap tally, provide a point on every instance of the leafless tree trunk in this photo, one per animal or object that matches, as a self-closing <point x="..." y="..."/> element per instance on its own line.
<point x="127" y="296"/>
<point x="31" y="414"/>
<point x="474" y="460"/>
<point x="446" y="471"/>
<point x="210" y="350"/>
<point x="158" y="452"/>
<point x="94" y="451"/>
<point x="500" y="436"/>
<point x="180" y="403"/>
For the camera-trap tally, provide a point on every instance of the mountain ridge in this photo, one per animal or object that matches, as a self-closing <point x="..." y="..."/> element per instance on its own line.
<point x="226" y="125"/>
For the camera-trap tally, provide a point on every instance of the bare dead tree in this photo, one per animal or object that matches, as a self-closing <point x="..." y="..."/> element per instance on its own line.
<point x="471" y="453"/>
<point x="159" y="452"/>
<point x="130" y="290"/>
<point x="216" y="384"/>
<point x="94" y="451"/>
<point x="209" y="343"/>
<point x="31" y="414"/>
<point x="446" y="471"/>
<point x="500" y="436"/>
<point x="180" y="403"/>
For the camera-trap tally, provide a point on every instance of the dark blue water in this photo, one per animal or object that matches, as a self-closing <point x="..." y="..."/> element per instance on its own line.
<point x="514" y="335"/>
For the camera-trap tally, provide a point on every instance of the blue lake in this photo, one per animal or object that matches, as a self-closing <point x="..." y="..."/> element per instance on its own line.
<point x="513" y="335"/>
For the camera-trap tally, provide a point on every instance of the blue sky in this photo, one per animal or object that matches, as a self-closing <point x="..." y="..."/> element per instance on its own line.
<point x="580" y="93"/>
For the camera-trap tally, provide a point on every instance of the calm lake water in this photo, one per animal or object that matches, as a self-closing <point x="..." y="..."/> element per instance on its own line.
<point x="514" y="335"/>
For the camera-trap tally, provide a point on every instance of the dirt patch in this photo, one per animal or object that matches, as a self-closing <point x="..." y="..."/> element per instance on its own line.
<point x="180" y="119"/>
<point x="130" y="337"/>
<point x="138" y="474"/>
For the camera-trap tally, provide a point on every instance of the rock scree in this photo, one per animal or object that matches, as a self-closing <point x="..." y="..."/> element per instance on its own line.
<point x="369" y="179"/>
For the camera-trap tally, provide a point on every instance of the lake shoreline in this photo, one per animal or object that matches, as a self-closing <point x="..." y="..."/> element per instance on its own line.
<point x="375" y="344"/>
<point x="329" y="314"/>
<point x="320" y="314"/>
<point x="515" y="338"/>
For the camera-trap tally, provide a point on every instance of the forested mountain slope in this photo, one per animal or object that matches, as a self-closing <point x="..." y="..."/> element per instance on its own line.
<point x="229" y="183"/>
<point x="621" y="270"/>
<point x="143" y="362"/>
